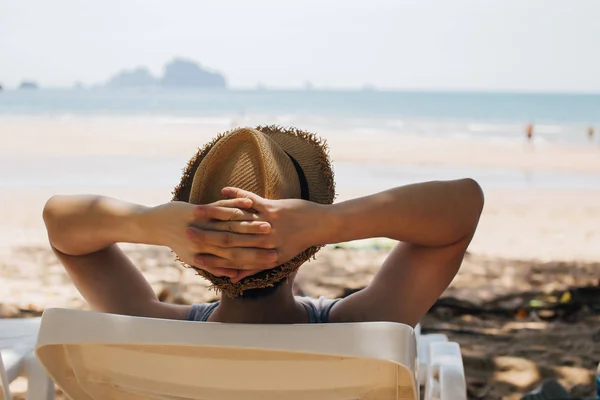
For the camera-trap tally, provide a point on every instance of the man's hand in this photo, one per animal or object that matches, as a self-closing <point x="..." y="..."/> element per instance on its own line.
<point x="295" y="226"/>
<point x="222" y="229"/>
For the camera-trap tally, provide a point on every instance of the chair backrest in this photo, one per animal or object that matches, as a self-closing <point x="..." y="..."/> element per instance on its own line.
<point x="92" y="355"/>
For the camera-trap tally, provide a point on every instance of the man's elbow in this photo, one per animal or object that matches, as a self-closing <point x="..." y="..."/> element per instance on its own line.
<point x="475" y="195"/>
<point x="49" y="212"/>
<point x="474" y="200"/>
<point x="52" y="217"/>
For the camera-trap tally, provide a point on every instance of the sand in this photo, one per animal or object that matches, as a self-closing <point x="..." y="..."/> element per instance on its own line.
<point x="155" y="137"/>
<point x="529" y="241"/>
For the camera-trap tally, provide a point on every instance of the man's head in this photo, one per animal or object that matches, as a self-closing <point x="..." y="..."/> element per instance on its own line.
<point x="272" y="162"/>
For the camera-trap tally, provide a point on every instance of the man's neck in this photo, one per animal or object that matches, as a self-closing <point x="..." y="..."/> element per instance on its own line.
<point x="279" y="307"/>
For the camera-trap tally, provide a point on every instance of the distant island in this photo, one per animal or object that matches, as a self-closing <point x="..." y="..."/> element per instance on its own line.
<point x="28" y="85"/>
<point x="181" y="72"/>
<point x="177" y="73"/>
<point x="132" y="78"/>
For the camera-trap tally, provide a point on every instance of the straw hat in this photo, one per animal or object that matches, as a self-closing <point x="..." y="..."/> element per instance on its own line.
<point x="273" y="162"/>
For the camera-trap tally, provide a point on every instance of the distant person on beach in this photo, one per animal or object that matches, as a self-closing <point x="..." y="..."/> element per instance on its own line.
<point x="254" y="205"/>
<point x="529" y="132"/>
<point x="590" y="133"/>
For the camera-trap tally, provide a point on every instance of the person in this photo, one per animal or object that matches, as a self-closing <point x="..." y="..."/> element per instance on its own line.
<point x="253" y="205"/>
<point x="529" y="132"/>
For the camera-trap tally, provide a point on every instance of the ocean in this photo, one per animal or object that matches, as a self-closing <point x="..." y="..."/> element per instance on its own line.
<point x="488" y="116"/>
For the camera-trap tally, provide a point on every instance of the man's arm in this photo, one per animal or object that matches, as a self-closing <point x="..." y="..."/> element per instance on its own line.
<point x="432" y="214"/>
<point x="84" y="230"/>
<point x="434" y="221"/>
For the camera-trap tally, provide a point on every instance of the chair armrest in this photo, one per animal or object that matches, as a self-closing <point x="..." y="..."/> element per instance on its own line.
<point x="445" y="379"/>
<point x="424" y="350"/>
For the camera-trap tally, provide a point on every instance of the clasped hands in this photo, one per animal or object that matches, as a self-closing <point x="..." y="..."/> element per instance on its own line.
<point x="240" y="235"/>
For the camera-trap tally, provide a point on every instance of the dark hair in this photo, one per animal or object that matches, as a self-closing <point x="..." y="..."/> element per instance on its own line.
<point x="253" y="294"/>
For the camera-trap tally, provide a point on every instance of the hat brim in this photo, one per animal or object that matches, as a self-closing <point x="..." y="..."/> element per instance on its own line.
<point x="312" y="155"/>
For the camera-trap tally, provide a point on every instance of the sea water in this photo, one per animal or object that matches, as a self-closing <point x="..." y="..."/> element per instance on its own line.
<point x="487" y="116"/>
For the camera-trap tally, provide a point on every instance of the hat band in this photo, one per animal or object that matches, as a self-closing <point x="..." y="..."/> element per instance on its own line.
<point x="304" y="194"/>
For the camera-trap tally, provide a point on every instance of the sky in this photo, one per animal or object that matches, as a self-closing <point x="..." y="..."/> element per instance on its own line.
<point x="479" y="45"/>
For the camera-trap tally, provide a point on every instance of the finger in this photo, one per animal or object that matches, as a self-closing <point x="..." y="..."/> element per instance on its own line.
<point x="250" y="257"/>
<point x="220" y="272"/>
<point x="244" y="274"/>
<point x="210" y="263"/>
<point x="231" y="192"/>
<point x="226" y="239"/>
<point x="238" y="258"/>
<point x="242" y="202"/>
<point x="245" y="227"/>
<point x="223" y="213"/>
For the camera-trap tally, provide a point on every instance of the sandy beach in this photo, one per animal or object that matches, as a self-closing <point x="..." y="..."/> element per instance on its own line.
<point x="54" y="137"/>
<point x="531" y="242"/>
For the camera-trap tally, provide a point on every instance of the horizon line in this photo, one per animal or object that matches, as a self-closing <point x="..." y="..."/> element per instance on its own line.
<point x="303" y="89"/>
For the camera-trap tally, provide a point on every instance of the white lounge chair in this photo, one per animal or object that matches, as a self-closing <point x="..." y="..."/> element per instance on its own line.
<point x="17" y="342"/>
<point x="101" y="356"/>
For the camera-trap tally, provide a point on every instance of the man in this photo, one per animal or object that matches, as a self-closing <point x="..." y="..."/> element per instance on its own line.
<point x="252" y="206"/>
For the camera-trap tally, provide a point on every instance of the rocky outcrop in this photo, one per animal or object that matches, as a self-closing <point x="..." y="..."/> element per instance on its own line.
<point x="186" y="73"/>
<point x="28" y="85"/>
<point x="177" y="73"/>
<point x="139" y="77"/>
